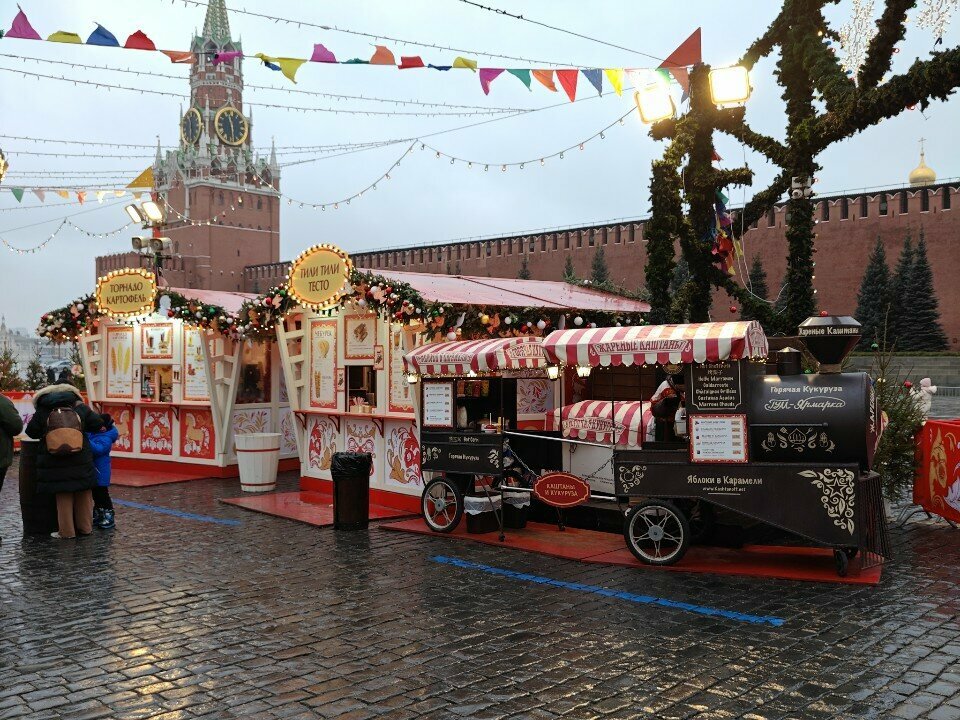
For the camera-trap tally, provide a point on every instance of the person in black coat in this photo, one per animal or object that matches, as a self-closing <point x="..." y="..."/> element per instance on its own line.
<point x="70" y="477"/>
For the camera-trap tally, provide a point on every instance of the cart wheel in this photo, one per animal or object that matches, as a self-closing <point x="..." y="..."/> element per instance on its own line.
<point x="657" y="532"/>
<point x="702" y="520"/>
<point x="840" y="560"/>
<point x="442" y="505"/>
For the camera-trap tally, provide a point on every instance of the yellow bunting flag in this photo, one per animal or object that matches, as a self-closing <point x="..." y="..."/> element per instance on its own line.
<point x="64" y="194"/>
<point x="143" y="180"/>
<point x="615" y="76"/>
<point x="65" y="37"/>
<point x="119" y="193"/>
<point x="462" y="62"/>
<point x="100" y="195"/>
<point x="288" y="66"/>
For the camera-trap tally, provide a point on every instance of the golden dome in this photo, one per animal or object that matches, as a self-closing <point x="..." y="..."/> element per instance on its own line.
<point x="922" y="174"/>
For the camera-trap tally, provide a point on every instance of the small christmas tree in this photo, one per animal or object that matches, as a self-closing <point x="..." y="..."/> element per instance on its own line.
<point x="922" y="330"/>
<point x="524" y="273"/>
<point x="757" y="285"/>
<point x="681" y="276"/>
<point x="873" y="300"/>
<point x="898" y="321"/>
<point x="9" y="371"/>
<point x="36" y="374"/>
<point x="569" y="274"/>
<point x="599" y="273"/>
<point x="78" y="378"/>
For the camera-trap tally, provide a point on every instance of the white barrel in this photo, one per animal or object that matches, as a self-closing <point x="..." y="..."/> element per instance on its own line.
<point x="258" y="455"/>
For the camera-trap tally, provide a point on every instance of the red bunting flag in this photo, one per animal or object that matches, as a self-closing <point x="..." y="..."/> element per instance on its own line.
<point x="687" y="53"/>
<point x="139" y="41"/>
<point x="568" y="81"/>
<point x="410" y="61"/>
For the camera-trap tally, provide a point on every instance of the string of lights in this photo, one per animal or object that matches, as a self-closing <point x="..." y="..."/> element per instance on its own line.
<point x="280" y="153"/>
<point x="250" y="86"/>
<point x="64" y="223"/>
<point x="348" y="31"/>
<point x="152" y="146"/>
<point x="295" y="108"/>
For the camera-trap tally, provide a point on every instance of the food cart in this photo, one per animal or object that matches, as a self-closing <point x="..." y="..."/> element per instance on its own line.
<point x="791" y="449"/>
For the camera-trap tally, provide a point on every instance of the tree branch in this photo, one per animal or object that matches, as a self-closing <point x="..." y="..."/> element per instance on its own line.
<point x="891" y="29"/>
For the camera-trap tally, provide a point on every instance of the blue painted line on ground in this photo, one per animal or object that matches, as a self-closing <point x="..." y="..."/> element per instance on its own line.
<point x="176" y="513"/>
<point x="619" y="594"/>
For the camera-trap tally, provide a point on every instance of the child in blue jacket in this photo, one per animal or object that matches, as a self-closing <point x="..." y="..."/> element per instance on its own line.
<point x="100" y="443"/>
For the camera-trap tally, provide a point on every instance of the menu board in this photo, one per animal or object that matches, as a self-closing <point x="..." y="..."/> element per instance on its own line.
<point x="323" y="364"/>
<point x="715" y="386"/>
<point x="361" y="336"/>
<point x="438" y="405"/>
<point x="156" y="341"/>
<point x="401" y="392"/>
<point x="119" y="363"/>
<point x="195" y="374"/>
<point x="718" y="438"/>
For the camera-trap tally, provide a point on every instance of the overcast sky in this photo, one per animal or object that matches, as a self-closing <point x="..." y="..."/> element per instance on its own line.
<point x="427" y="200"/>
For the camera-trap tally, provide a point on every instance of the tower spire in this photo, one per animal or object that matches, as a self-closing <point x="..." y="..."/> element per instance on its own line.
<point x="217" y="25"/>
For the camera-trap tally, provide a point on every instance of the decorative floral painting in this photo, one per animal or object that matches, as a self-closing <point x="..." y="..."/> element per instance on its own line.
<point x="123" y="418"/>
<point x="196" y="434"/>
<point x="255" y="420"/>
<point x="323" y="443"/>
<point x="288" y="429"/>
<point x="403" y="456"/>
<point x="156" y="431"/>
<point x="362" y="438"/>
<point x="534" y="396"/>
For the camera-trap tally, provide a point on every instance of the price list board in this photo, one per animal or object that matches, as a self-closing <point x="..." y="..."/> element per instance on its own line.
<point x="715" y="387"/>
<point x="718" y="438"/>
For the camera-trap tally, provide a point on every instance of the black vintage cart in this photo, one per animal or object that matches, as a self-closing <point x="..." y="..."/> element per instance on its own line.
<point x="791" y="449"/>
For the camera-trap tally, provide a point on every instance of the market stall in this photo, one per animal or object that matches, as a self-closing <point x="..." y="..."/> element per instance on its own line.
<point x="178" y="391"/>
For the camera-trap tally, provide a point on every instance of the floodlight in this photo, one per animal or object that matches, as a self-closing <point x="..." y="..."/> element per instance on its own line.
<point x="153" y="212"/>
<point x="654" y="102"/>
<point x="729" y="85"/>
<point x="135" y="215"/>
<point x="140" y="243"/>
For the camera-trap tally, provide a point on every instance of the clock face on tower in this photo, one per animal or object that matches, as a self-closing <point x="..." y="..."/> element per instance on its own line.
<point x="231" y="126"/>
<point x="190" y="127"/>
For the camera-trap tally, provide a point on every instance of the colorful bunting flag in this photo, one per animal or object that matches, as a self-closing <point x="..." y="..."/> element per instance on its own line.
<point x="382" y="56"/>
<point x="615" y="76"/>
<point x="321" y="54"/>
<point x="119" y="193"/>
<point x="22" y="28"/>
<point x="17" y="193"/>
<point x="62" y="36"/>
<point x="288" y="66"/>
<point x="139" y="41"/>
<point x="64" y="194"/>
<point x="143" y="180"/>
<point x="682" y="76"/>
<point x="487" y="76"/>
<point x="687" y="53"/>
<point x="102" y="36"/>
<point x="356" y="61"/>
<point x="568" y="81"/>
<point x="81" y="196"/>
<point x="467" y="63"/>
<point x="179" y="56"/>
<point x="522" y="75"/>
<point x="443" y="68"/>
<point x="228" y="56"/>
<point x="100" y="195"/>
<point x="408" y="62"/>
<point x="40" y="194"/>
<point x="595" y="78"/>
<point x="545" y="78"/>
<point x="716" y="156"/>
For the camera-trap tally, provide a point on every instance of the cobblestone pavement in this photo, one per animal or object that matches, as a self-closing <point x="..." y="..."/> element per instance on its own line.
<point x="176" y="618"/>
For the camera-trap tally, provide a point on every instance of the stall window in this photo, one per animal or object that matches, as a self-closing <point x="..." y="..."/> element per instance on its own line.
<point x="253" y="385"/>
<point x="361" y="387"/>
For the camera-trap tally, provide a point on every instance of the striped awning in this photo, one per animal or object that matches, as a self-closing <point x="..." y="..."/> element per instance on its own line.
<point x="460" y="357"/>
<point x="696" y="342"/>
<point x="591" y="420"/>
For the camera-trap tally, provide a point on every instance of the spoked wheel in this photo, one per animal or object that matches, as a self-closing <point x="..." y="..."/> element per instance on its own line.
<point x="657" y="532"/>
<point x="442" y="505"/>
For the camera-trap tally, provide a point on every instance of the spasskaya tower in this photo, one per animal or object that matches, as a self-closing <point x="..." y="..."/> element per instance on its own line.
<point x="223" y="212"/>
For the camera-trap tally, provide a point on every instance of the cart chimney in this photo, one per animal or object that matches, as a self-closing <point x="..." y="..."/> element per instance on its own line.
<point x="830" y="338"/>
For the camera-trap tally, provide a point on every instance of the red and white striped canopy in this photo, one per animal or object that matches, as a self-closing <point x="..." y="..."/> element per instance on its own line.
<point x="590" y="420"/>
<point x="460" y="357"/>
<point x="696" y="342"/>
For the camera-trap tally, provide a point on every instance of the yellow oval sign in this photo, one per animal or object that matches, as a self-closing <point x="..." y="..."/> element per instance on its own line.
<point x="127" y="292"/>
<point x="317" y="278"/>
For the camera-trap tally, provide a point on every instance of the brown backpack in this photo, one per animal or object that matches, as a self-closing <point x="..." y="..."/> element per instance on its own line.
<point x="64" y="434"/>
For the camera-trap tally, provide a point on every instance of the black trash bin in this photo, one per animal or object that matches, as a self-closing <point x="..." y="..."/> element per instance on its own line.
<point x="38" y="510"/>
<point x="351" y="490"/>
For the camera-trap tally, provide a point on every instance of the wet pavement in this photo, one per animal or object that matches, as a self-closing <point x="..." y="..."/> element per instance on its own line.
<point x="232" y="614"/>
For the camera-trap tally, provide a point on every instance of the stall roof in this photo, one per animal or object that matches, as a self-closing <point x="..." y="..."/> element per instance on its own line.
<point x="511" y="292"/>
<point x="591" y="420"/>
<point x="229" y="301"/>
<point x="696" y="342"/>
<point x="460" y="357"/>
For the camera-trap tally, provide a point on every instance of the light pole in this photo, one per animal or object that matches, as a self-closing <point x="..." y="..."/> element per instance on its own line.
<point x="151" y="215"/>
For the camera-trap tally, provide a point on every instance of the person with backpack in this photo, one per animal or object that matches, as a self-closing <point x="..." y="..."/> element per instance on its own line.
<point x="65" y="460"/>
<point x="10" y="426"/>
<point x="101" y="442"/>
